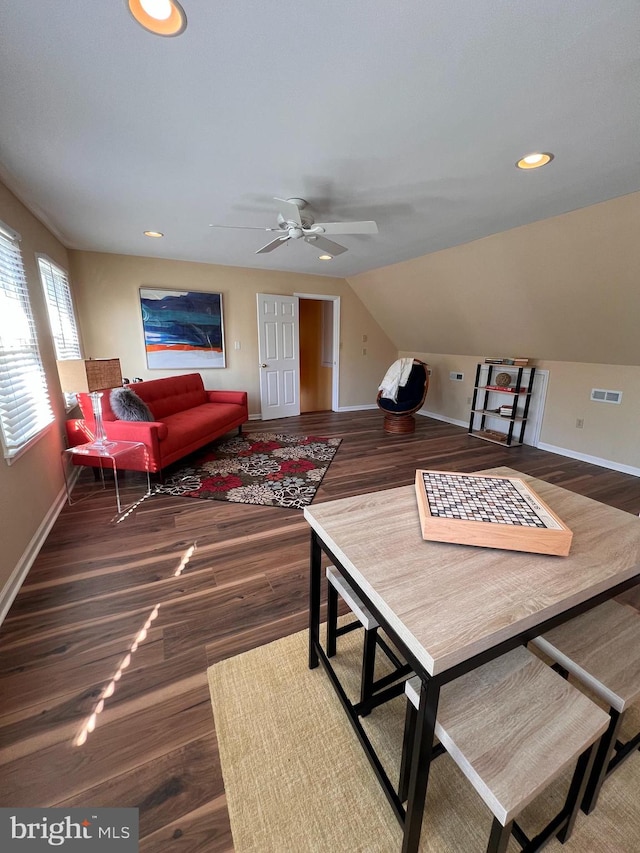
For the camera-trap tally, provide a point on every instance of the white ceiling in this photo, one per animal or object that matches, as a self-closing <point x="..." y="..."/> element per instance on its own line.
<point x="408" y="112"/>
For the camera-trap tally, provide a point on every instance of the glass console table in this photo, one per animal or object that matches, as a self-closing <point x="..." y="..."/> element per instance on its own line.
<point x="118" y="455"/>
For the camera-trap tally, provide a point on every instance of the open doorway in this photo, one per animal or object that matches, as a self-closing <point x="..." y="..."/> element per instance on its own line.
<point x="319" y="325"/>
<point x="316" y="365"/>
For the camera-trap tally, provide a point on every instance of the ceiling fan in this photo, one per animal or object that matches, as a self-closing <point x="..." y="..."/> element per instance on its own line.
<point x="295" y="225"/>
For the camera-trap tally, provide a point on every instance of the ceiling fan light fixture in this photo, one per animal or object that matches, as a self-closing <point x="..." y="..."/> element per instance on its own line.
<point x="161" y="17"/>
<point x="153" y="234"/>
<point x="294" y="225"/>
<point x="535" y="160"/>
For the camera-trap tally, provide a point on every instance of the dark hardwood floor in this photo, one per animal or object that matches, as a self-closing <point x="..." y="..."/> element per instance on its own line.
<point x="209" y="580"/>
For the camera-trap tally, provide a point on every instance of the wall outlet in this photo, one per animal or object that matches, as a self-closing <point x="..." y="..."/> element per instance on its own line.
<point x="468" y="401"/>
<point x="364" y="339"/>
<point x="579" y="423"/>
<point x="236" y="344"/>
<point x="364" y="350"/>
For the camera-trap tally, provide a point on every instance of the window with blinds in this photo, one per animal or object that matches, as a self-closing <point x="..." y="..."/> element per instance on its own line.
<point x="62" y="316"/>
<point x="25" y="410"/>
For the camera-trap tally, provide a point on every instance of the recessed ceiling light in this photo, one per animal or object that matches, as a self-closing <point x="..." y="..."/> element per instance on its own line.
<point x="153" y="234"/>
<point x="161" y="17"/>
<point x="534" y="161"/>
<point x="325" y="257"/>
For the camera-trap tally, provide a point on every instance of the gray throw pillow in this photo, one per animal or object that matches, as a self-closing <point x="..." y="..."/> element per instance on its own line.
<point x="127" y="406"/>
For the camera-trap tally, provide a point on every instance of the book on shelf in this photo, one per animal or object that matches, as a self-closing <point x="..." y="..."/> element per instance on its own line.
<point x="508" y="362"/>
<point x="507" y="388"/>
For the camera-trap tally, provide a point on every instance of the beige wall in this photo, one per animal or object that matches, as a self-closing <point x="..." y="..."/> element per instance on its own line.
<point x="30" y="486"/>
<point x="610" y="431"/>
<point x="108" y="304"/>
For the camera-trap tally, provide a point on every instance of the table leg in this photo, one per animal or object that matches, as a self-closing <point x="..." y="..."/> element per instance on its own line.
<point x="315" y="565"/>
<point x="117" y="487"/>
<point x="115" y="481"/>
<point x="64" y="463"/>
<point x="420" y="764"/>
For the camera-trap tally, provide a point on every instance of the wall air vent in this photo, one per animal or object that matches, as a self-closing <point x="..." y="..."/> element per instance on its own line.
<point x="600" y="395"/>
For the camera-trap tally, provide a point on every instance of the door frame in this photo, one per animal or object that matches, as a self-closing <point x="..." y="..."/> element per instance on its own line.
<point x="335" y="377"/>
<point x="539" y="398"/>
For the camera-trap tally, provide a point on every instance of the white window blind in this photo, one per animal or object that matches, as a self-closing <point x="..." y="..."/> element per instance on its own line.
<point x="62" y="317"/>
<point x="25" y="409"/>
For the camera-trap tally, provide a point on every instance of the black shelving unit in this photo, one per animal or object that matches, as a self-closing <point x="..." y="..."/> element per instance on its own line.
<point x="501" y="429"/>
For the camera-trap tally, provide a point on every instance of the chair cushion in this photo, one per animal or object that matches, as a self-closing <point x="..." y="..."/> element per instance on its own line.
<point x="601" y="648"/>
<point x="355" y="605"/>
<point x="512" y="725"/>
<point x="409" y="395"/>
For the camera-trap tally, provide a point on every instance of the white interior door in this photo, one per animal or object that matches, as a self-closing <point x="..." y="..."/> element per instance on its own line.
<point x="279" y="354"/>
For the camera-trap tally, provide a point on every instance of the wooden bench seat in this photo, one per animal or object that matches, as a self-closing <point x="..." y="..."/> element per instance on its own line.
<point x="512" y="726"/>
<point x="337" y="585"/>
<point x="601" y="649"/>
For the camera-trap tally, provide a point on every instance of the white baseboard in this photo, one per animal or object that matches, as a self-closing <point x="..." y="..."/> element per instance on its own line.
<point x="364" y="408"/>
<point x="594" y="460"/>
<point x="437" y="417"/>
<point x="18" y="575"/>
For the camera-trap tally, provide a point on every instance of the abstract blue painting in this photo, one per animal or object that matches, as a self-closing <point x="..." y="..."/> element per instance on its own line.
<point x="182" y="328"/>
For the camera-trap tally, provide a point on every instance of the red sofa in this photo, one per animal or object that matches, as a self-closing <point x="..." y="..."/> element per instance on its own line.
<point x="186" y="418"/>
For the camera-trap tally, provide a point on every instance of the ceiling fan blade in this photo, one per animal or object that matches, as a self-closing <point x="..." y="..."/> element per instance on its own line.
<point x="279" y="241"/>
<point x="326" y="245"/>
<point x="345" y="227"/>
<point x="247" y="227"/>
<point x="290" y="211"/>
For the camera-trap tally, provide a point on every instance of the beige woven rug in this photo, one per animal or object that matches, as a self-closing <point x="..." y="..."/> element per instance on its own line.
<point x="297" y="779"/>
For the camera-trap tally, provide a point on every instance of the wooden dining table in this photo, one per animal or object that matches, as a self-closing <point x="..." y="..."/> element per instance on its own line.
<point x="449" y="608"/>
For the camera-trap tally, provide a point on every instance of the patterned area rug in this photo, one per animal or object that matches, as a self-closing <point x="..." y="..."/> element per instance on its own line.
<point x="267" y="469"/>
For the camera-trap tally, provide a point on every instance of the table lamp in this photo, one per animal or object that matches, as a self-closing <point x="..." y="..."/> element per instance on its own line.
<point x="93" y="376"/>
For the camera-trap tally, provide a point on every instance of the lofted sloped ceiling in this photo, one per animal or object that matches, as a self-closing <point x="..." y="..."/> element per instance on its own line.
<point x="561" y="289"/>
<point x="409" y="113"/>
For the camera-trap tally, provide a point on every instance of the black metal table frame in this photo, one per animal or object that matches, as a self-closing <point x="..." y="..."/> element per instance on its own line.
<point x="411" y="818"/>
